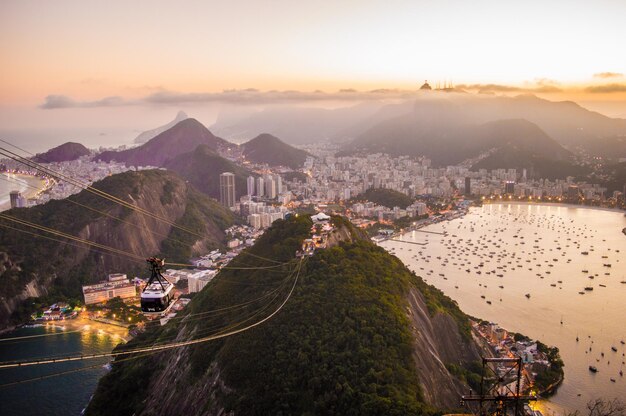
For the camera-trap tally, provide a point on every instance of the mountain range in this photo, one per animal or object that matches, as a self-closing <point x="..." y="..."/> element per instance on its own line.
<point x="191" y="150"/>
<point x="565" y="121"/>
<point x="183" y="137"/>
<point x="442" y="131"/>
<point x="35" y="266"/>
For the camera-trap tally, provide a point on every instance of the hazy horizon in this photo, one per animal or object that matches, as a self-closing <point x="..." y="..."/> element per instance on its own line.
<point x="81" y="71"/>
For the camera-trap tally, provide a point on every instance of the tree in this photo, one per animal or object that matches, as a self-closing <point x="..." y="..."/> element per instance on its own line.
<point x="604" y="407"/>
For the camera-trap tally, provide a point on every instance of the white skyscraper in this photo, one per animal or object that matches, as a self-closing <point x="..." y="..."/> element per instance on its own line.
<point x="270" y="187"/>
<point x="227" y="189"/>
<point x="250" y="185"/>
<point x="279" y="184"/>
<point x="260" y="186"/>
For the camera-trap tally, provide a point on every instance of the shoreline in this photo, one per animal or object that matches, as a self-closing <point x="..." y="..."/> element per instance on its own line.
<point x="78" y="324"/>
<point x="25" y="184"/>
<point x="556" y="204"/>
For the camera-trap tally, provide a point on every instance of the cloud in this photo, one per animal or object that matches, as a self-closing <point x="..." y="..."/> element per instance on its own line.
<point x="247" y="96"/>
<point x="244" y="96"/>
<point x="546" y="81"/>
<point x="605" y="75"/>
<point x="543" y="86"/>
<point x="606" y="88"/>
<point x="52" y="102"/>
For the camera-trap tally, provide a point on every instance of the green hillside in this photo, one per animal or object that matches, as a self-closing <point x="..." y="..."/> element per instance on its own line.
<point x="342" y="345"/>
<point x="202" y="168"/>
<point x="269" y="149"/>
<point x="59" y="269"/>
<point x="385" y="197"/>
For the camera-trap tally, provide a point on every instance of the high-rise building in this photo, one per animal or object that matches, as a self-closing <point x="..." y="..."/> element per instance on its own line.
<point x="227" y="189"/>
<point x="279" y="185"/>
<point x="250" y="185"/>
<point x="15" y="197"/>
<point x="270" y="187"/>
<point x="509" y="187"/>
<point x="260" y="186"/>
<point x="468" y="186"/>
<point x="254" y="220"/>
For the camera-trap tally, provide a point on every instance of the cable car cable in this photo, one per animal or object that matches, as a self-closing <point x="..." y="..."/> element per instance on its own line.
<point x="88" y="186"/>
<point x="159" y="347"/>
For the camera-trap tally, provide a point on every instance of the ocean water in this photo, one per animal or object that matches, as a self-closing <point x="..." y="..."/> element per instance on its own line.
<point x="538" y="251"/>
<point x="66" y="394"/>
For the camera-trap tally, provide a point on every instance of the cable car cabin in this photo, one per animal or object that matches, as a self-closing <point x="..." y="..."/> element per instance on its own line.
<point x="157" y="298"/>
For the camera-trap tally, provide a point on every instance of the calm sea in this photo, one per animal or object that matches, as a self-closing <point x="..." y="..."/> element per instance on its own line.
<point x="538" y="251"/>
<point x="62" y="395"/>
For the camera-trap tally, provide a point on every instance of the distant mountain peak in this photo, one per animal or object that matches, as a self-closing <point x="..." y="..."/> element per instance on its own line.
<point x="266" y="148"/>
<point x="266" y="138"/>
<point x="183" y="137"/>
<point x="66" y="151"/>
<point x="150" y="134"/>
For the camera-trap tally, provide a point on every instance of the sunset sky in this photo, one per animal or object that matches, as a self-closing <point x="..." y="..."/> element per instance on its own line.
<point x="99" y="55"/>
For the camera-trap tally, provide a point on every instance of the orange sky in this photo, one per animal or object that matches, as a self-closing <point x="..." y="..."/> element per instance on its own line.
<point x="90" y="50"/>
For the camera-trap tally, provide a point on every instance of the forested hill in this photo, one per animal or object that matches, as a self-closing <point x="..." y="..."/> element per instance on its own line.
<point x="66" y="151"/>
<point x="269" y="149"/>
<point x="386" y="197"/>
<point x="202" y="168"/>
<point x="33" y="265"/>
<point x="361" y="335"/>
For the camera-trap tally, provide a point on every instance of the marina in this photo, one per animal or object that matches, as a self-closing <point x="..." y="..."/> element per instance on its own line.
<point x="523" y="266"/>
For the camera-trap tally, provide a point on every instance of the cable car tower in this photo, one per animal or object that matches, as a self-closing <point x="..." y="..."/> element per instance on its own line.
<point x="499" y="393"/>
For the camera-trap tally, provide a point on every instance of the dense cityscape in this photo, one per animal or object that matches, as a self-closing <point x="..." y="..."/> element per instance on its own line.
<point x="403" y="208"/>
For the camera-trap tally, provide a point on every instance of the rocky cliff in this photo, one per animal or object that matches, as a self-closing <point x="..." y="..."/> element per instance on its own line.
<point x="360" y="335"/>
<point x="34" y="263"/>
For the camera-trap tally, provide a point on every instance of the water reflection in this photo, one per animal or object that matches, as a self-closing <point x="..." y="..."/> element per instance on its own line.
<point x="504" y="251"/>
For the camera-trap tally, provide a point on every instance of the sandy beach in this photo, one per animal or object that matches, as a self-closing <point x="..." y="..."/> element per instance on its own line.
<point x="30" y="186"/>
<point x="82" y="323"/>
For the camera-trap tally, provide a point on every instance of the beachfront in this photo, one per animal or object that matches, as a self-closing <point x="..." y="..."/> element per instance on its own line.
<point x="30" y="186"/>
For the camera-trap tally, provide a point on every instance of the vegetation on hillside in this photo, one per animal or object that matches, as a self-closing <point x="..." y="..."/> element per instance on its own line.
<point x="69" y="266"/>
<point x="202" y="168"/>
<point x="269" y="149"/>
<point x="387" y="197"/>
<point x="294" y="175"/>
<point x="550" y="375"/>
<point x="64" y="152"/>
<point x="537" y="166"/>
<point x="341" y="345"/>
